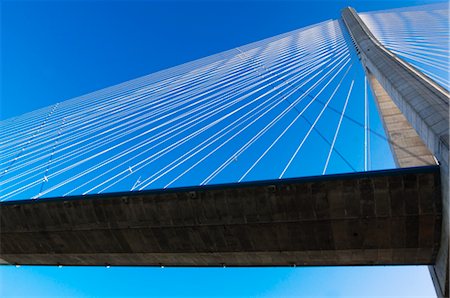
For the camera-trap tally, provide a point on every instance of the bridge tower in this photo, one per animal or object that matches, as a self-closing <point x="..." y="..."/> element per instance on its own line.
<point x="424" y="104"/>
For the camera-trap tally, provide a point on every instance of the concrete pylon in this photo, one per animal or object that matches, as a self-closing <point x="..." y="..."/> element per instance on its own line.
<point x="424" y="104"/>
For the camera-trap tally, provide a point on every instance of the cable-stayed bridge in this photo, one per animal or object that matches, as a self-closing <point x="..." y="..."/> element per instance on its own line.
<point x="256" y="112"/>
<point x="322" y="146"/>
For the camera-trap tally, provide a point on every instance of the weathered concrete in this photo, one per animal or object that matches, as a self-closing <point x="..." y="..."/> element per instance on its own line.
<point x="424" y="104"/>
<point x="385" y="217"/>
<point x="407" y="147"/>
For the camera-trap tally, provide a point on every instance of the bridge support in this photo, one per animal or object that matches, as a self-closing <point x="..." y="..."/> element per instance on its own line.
<point x="425" y="105"/>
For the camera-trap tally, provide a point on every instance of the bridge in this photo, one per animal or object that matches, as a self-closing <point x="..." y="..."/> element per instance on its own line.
<point x="327" y="145"/>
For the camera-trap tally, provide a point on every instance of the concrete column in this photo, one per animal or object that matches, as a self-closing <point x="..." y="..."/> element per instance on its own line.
<point x="424" y="104"/>
<point x="407" y="147"/>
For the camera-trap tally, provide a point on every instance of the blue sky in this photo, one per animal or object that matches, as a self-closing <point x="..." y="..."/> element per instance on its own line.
<point x="216" y="282"/>
<point x="56" y="50"/>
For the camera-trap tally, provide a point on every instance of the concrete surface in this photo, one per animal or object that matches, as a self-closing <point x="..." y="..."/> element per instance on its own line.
<point x="407" y="147"/>
<point x="374" y="218"/>
<point x="424" y="103"/>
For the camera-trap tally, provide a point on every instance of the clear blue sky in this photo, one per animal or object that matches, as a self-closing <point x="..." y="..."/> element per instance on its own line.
<point x="56" y="50"/>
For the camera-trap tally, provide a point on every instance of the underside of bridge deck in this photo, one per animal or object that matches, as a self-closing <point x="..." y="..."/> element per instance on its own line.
<point x="372" y="218"/>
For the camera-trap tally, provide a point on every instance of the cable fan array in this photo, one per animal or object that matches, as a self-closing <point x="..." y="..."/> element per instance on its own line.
<point x="418" y="34"/>
<point x="292" y="105"/>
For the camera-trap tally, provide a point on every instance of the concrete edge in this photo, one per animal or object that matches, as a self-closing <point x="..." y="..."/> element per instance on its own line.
<point x="386" y="172"/>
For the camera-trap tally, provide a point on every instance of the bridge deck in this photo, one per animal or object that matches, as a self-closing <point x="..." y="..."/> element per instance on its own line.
<point x="384" y="217"/>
